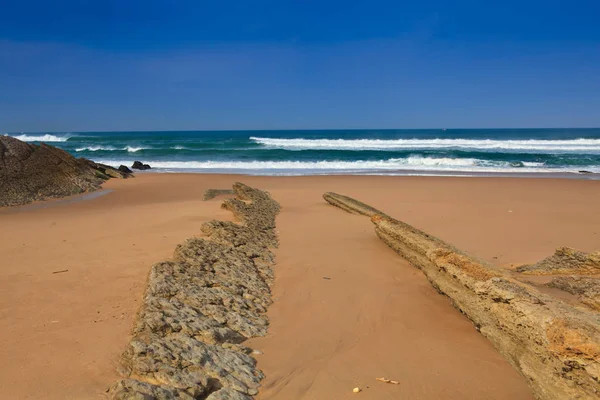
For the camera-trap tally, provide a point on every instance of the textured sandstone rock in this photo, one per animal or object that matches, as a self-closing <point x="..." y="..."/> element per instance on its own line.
<point x="585" y="288"/>
<point x="30" y="172"/>
<point x="212" y="193"/>
<point x="565" y="261"/>
<point x="555" y="346"/>
<point x="200" y="307"/>
<point x="351" y="205"/>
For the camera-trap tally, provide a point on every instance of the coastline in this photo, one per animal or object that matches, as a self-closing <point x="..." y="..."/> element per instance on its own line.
<point x="108" y="244"/>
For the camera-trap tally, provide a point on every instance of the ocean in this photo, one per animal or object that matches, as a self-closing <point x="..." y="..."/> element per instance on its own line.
<point x="369" y="151"/>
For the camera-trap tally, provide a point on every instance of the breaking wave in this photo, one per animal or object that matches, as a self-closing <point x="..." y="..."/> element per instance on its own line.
<point x="574" y="145"/>
<point x="390" y="165"/>
<point x="129" y="149"/>
<point x="42" y="138"/>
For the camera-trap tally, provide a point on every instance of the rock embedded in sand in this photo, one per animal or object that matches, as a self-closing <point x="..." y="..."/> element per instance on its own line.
<point x="200" y="307"/>
<point x="30" y="172"/>
<point x="351" y="205"/>
<point x="554" y="345"/>
<point x="212" y="193"/>
<point x="587" y="289"/>
<point x="565" y="261"/>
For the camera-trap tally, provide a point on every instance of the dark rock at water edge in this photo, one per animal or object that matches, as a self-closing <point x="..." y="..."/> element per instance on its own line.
<point x="124" y="169"/>
<point x="109" y="171"/>
<point x="139" y="165"/>
<point x="30" y="172"/>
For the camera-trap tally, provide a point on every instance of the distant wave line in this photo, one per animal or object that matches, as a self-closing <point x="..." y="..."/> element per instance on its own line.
<point x="41" y="138"/>
<point x="129" y="149"/>
<point x="394" y="164"/>
<point x="399" y="144"/>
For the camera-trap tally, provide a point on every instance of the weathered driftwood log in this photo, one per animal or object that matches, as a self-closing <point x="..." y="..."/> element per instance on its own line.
<point x="199" y="309"/>
<point x="555" y="346"/>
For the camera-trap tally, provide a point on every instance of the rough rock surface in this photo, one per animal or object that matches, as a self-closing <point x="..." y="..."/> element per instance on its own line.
<point x="200" y="307"/>
<point x="139" y="165"/>
<point x="212" y="193"/>
<point x="555" y="346"/>
<point x="565" y="261"/>
<point x="585" y="288"/>
<point x="29" y="172"/>
<point x="124" y="169"/>
<point x="351" y="205"/>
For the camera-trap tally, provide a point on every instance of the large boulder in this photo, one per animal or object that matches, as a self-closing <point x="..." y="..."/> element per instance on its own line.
<point x="30" y="172"/>
<point x="139" y="165"/>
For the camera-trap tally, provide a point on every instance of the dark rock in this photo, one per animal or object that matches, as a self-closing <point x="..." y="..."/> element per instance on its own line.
<point x="585" y="172"/>
<point x="124" y="169"/>
<point x="140" y="166"/>
<point x="30" y="172"/>
<point x="109" y="171"/>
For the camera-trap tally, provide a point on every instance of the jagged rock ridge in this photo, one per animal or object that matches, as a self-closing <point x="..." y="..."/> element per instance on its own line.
<point x="200" y="307"/>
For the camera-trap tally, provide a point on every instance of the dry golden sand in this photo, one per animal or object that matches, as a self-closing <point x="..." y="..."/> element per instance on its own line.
<point x="375" y="317"/>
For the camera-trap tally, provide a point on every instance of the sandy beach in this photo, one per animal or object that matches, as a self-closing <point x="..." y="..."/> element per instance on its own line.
<point x="346" y="308"/>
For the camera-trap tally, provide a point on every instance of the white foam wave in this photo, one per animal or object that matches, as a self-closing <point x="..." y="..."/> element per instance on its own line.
<point x="575" y="145"/>
<point x="129" y="149"/>
<point x="307" y="167"/>
<point x="178" y="148"/>
<point x="132" y="149"/>
<point x="42" y="138"/>
<point x="95" y="148"/>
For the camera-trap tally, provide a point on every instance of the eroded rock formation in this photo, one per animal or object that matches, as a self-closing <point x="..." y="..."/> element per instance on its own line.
<point x="555" y="346"/>
<point x="200" y="307"/>
<point x="212" y="193"/>
<point x="565" y="261"/>
<point x="587" y="289"/>
<point x="351" y="205"/>
<point x="30" y="172"/>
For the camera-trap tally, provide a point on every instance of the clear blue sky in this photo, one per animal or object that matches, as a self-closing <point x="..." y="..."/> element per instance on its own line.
<point x="168" y="65"/>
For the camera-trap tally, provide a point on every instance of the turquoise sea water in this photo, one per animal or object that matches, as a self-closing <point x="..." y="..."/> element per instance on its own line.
<point x="371" y="151"/>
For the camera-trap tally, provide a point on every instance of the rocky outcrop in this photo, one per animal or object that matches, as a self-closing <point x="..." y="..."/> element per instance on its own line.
<point x="124" y="169"/>
<point x="30" y="172"/>
<point x="565" y="261"/>
<point x="200" y="307"/>
<point x="212" y="193"/>
<point x="587" y="289"/>
<point x="139" y="165"/>
<point x="555" y="346"/>
<point x="106" y="171"/>
<point x="351" y="205"/>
